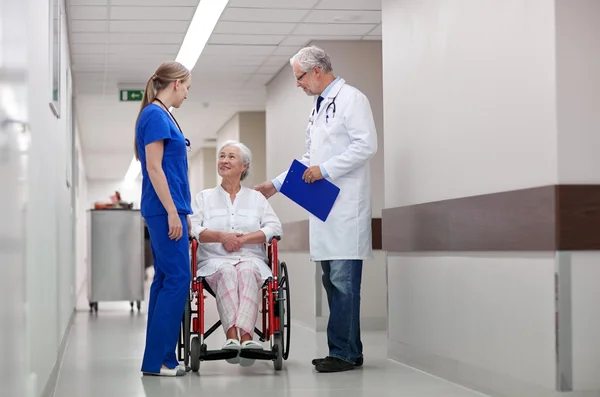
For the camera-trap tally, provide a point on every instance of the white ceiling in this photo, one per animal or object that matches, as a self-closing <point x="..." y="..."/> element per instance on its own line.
<point x="119" y="43"/>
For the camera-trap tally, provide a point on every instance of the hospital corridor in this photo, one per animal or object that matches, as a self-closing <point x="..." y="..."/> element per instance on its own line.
<point x="300" y="198"/>
<point x="103" y="353"/>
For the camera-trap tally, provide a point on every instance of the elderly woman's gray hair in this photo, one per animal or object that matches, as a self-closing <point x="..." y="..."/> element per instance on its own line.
<point x="312" y="56"/>
<point x="244" y="152"/>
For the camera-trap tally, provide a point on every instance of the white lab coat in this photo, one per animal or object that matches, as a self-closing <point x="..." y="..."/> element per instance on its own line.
<point x="343" y="144"/>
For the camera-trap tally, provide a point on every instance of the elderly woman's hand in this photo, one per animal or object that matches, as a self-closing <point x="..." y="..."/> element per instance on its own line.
<point x="232" y="241"/>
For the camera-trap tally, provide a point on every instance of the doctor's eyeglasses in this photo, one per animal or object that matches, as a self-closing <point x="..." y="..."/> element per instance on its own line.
<point x="300" y="77"/>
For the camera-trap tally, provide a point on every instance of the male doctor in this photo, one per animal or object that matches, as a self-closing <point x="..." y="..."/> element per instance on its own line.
<point x="340" y="141"/>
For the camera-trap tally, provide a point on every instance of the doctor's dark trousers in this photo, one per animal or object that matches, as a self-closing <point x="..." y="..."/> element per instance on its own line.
<point x="168" y="293"/>
<point x="342" y="280"/>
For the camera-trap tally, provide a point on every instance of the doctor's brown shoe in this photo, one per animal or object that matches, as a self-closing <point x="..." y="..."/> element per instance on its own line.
<point x="358" y="363"/>
<point x="332" y="364"/>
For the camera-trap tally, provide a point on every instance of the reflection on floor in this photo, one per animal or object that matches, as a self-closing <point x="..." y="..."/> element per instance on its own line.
<point x="104" y="352"/>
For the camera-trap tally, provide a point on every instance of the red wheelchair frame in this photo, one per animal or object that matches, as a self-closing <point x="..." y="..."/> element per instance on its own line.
<point x="276" y="317"/>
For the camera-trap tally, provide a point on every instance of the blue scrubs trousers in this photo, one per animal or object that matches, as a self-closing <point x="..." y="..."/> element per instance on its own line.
<point x="168" y="293"/>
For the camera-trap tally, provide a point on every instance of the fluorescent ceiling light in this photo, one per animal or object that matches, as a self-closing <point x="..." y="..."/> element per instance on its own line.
<point x="134" y="170"/>
<point x="203" y="23"/>
<point x="208" y="13"/>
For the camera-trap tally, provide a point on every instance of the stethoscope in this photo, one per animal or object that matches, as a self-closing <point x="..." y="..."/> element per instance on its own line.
<point x="331" y="104"/>
<point x="187" y="141"/>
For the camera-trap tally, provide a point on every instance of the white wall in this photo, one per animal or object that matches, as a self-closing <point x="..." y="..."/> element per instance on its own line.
<point x="203" y="170"/>
<point x="81" y="224"/>
<point x="50" y="266"/>
<point x="468" y="87"/>
<point x="13" y="209"/>
<point x="578" y="90"/>
<point x="288" y="110"/>
<point x="253" y="134"/>
<point x="475" y="318"/>
<point x="229" y="131"/>
<point x="248" y="128"/>
<point x="471" y="108"/>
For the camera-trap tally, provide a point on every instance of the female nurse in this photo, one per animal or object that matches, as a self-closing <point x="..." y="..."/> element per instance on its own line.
<point x="161" y="148"/>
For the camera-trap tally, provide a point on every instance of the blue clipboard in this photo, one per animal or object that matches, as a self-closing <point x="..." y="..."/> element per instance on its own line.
<point x="317" y="197"/>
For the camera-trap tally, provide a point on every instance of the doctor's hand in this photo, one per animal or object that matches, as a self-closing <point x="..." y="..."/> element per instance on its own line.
<point x="232" y="241"/>
<point x="266" y="188"/>
<point x="312" y="174"/>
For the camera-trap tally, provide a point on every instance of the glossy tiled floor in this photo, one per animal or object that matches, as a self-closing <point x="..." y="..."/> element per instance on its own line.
<point x="103" y="355"/>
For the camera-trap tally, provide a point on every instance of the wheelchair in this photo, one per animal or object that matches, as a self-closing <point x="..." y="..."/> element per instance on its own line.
<point x="276" y="317"/>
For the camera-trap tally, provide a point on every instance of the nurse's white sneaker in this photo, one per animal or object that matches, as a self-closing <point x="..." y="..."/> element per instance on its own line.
<point x="168" y="372"/>
<point x="172" y="372"/>
<point x="232" y="344"/>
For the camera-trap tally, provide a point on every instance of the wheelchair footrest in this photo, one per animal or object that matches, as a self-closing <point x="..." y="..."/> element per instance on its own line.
<point x="215" y="355"/>
<point x="258" y="354"/>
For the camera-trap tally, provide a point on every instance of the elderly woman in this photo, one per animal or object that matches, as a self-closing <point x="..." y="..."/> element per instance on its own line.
<point x="232" y="224"/>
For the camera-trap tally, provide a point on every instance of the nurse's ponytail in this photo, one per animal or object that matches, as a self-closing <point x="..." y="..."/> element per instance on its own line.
<point x="166" y="73"/>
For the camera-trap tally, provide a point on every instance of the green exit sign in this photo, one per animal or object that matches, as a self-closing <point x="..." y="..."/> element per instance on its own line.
<point x="131" y="95"/>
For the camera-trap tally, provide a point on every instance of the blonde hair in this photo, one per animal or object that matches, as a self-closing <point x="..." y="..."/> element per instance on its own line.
<point x="166" y="73"/>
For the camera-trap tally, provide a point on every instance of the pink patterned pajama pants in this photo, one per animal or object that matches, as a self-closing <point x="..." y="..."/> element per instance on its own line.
<point x="236" y="288"/>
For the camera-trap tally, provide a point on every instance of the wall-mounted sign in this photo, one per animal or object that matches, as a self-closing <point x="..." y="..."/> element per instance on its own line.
<point x="131" y="95"/>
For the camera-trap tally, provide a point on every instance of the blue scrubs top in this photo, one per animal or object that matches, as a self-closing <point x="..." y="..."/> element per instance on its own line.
<point x="155" y="124"/>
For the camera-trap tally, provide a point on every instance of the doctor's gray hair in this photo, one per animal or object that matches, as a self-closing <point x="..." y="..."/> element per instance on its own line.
<point x="312" y="56"/>
<point x="244" y="152"/>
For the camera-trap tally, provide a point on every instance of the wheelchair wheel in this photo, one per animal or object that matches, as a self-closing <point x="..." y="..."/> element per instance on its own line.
<point x="285" y="314"/>
<point x="278" y="345"/>
<point x="187" y="333"/>
<point x="195" y="355"/>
